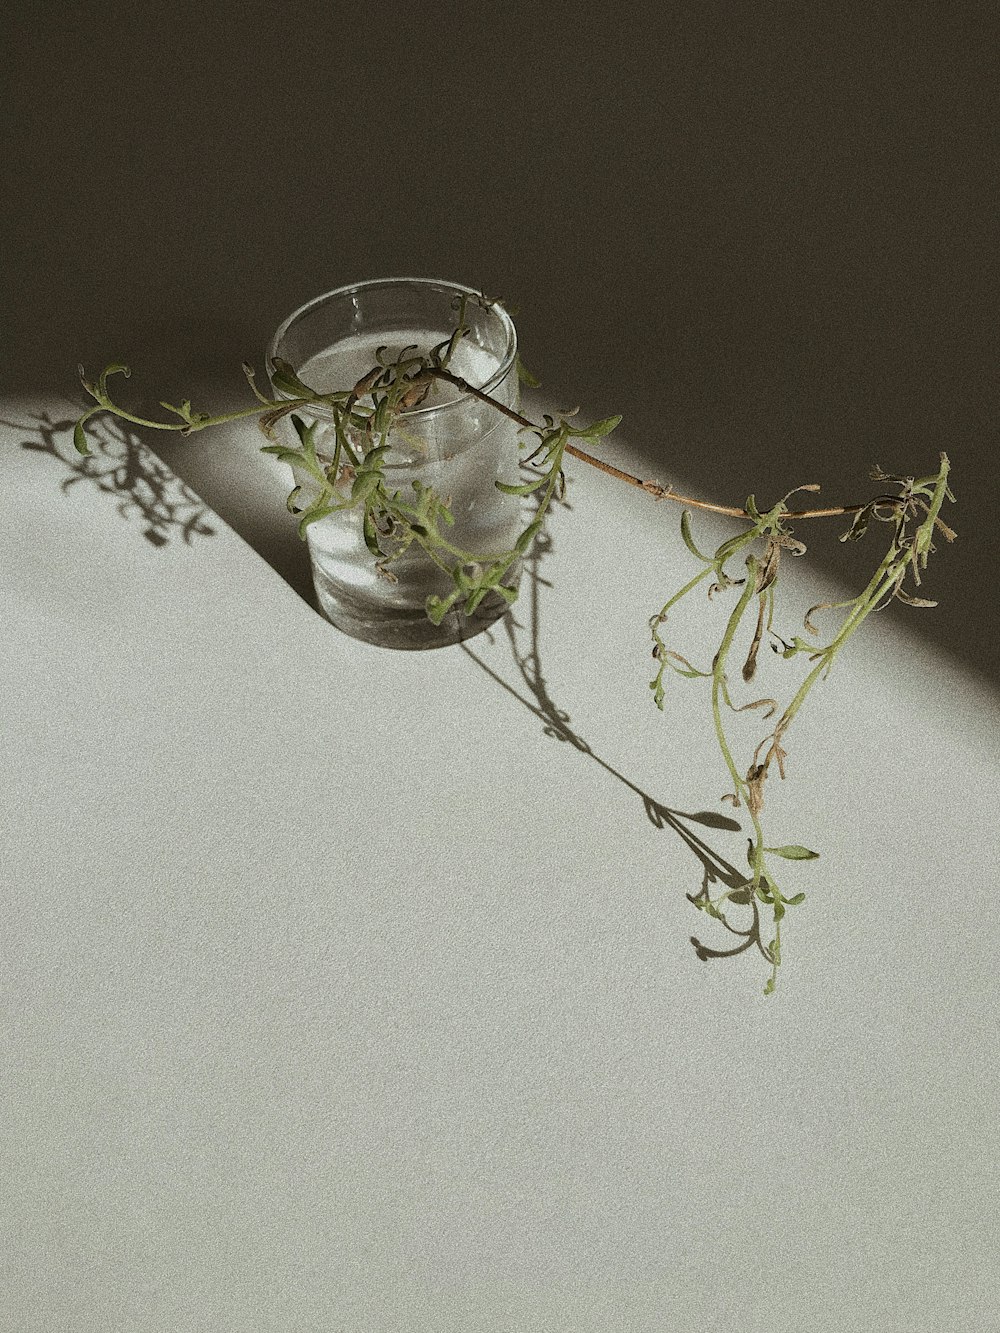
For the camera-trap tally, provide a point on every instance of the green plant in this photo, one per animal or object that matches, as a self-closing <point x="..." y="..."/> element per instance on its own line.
<point x="745" y="566"/>
<point x="913" y="514"/>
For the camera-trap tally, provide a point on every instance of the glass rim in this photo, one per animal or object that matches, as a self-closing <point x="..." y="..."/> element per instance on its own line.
<point x="458" y="288"/>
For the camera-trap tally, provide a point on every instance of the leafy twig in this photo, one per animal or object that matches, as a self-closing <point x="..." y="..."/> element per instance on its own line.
<point x="352" y="477"/>
<point x="913" y="515"/>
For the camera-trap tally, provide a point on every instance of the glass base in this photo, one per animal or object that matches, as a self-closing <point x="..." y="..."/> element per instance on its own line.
<point x="413" y="631"/>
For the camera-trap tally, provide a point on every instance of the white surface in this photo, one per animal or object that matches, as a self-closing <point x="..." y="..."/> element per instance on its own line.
<point x="310" y="1029"/>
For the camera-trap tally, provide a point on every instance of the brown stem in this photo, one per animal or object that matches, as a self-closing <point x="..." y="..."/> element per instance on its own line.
<point x="466" y="387"/>
<point x="654" y="488"/>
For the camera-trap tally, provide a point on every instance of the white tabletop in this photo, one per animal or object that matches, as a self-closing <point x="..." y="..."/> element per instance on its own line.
<point x="345" y="989"/>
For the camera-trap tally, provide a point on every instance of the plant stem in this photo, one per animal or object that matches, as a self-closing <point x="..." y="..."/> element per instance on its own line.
<point x="719" y="674"/>
<point x="654" y="488"/>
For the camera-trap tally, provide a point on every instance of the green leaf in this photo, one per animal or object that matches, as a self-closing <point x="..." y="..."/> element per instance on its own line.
<point x="526" y="489"/>
<point x="365" y="485"/>
<point x="371" y="536"/>
<point x="314" y="515"/>
<point x="793" y="853"/>
<point x="798" y="645"/>
<point x="286" y="455"/>
<point x="285" y="380"/>
<point x="691" y="674"/>
<point x="527" y="537"/>
<point x="373" y="458"/>
<point x="524" y="375"/>
<point x="689" y="540"/>
<point x="251" y="376"/>
<point x="494" y="574"/>
<point x="80" y="438"/>
<point x="599" y="428"/>
<point x="438" y="607"/>
<point x="794" y="902"/>
<point x="382" y="419"/>
<point x="102" y="381"/>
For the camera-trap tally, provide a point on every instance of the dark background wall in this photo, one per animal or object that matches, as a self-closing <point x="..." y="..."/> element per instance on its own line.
<point x="766" y="232"/>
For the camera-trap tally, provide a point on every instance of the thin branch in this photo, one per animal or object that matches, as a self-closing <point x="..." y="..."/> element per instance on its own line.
<point x="655" y="488"/>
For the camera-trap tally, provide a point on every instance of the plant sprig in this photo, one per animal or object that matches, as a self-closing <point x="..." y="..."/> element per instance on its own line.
<point x="913" y="515"/>
<point x="746" y="566"/>
<point x="353" y="477"/>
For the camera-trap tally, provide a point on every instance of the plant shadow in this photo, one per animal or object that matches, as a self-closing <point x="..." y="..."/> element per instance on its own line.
<point x="175" y="491"/>
<point x="524" y="642"/>
<point x="120" y="465"/>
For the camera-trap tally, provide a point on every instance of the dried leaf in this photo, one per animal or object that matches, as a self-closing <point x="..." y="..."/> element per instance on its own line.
<point x="750" y="665"/>
<point x="756" y="776"/>
<point x="913" y="601"/>
<point x="813" y="486"/>
<point x="820" y="606"/>
<point x="767" y="572"/>
<point x="769" y="704"/>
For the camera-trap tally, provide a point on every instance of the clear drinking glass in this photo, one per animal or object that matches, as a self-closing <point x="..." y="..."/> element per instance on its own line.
<point x="453" y="442"/>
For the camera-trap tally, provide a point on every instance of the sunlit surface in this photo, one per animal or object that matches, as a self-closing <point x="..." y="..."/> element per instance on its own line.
<point x="355" y="989"/>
